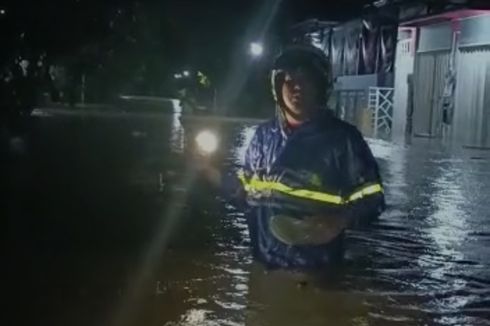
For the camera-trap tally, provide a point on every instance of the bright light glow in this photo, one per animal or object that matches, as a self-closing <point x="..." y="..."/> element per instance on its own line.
<point x="207" y="142"/>
<point x="256" y="49"/>
<point x="178" y="76"/>
<point x="186" y="73"/>
<point x="2" y="11"/>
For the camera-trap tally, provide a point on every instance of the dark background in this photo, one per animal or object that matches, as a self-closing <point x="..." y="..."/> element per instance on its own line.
<point x="136" y="46"/>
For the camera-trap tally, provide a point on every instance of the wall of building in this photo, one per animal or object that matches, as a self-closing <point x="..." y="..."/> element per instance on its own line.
<point x="471" y="118"/>
<point x="436" y="37"/>
<point x="432" y="65"/>
<point x="475" y="31"/>
<point x="451" y="71"/>
<point x="404" y="63"/>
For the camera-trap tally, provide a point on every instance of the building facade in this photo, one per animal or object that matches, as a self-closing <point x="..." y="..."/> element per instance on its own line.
<point x="442" y="85"/>
<point x="427" y="73"/>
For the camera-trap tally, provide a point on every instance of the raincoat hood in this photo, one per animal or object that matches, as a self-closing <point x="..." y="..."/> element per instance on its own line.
<point x="306" y="58"/>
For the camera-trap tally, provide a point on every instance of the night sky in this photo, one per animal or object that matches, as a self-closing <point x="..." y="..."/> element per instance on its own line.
<point x="187" y="25"/>
<point x="126" y="39"/>
<point x="62" y="25"/>
<point x="120" y="40"/>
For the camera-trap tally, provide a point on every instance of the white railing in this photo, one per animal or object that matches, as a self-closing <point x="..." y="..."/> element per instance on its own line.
<point x="380" y="103"/>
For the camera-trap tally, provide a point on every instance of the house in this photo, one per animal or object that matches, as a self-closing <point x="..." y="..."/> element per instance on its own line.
<point x="410" y="71"/>
<point x="442" y="77"/>
<point x="361" y="53"/>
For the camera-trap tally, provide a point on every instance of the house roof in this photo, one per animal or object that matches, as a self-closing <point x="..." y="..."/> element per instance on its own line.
<point x="443" y="17"/>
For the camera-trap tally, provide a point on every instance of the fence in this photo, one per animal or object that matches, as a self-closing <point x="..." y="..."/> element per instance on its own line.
<point x="380" y="104"/>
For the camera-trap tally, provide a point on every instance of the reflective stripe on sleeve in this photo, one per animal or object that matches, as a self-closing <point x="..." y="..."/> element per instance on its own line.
<point x="254" y="184"/>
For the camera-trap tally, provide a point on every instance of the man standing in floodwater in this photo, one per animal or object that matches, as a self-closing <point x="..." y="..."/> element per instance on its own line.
<point x="307" y="175"/>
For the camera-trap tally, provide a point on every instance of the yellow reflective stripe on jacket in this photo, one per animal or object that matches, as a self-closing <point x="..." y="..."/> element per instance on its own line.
<point x="258" y="185"/>
<point x="366" y="191"/>
<point x="255" y="184"/>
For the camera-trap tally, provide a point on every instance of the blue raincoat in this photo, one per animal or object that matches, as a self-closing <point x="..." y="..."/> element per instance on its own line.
<point x="324" y="167"/>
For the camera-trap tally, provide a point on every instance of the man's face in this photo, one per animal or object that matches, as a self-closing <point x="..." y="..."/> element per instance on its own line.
<point x="299" y="94"/>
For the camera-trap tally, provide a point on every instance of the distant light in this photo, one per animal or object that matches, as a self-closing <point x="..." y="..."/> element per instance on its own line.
<point x="177" y="76"/>
<point x="186" y="73"/>
<point x="2" y="11"/>
<point x="256" y="49"/>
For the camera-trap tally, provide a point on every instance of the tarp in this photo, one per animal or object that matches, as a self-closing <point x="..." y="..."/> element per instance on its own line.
<point x="337" y="51"/>
<point x="369" y="51"/>
<point x="355" y="48"/>
<point x="351" y="50"/>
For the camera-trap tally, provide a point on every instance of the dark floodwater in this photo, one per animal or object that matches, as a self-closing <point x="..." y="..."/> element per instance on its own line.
<point x="91" y="240"/>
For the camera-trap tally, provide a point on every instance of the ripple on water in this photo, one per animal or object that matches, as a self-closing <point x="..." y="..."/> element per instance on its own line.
<point x="423" y="262"/>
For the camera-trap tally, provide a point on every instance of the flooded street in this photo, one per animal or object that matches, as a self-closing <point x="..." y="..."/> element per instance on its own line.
<point x="94" y="237"/>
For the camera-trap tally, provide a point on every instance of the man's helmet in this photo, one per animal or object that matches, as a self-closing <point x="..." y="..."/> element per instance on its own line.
<point x="304" y="57"/>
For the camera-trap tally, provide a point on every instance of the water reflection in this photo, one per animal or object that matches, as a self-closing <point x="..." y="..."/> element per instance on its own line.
<point x="426" y="261"/>
<point x="177" y="138"/>
<point x="242" y="140"/>
<point x="413" y="266"/>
